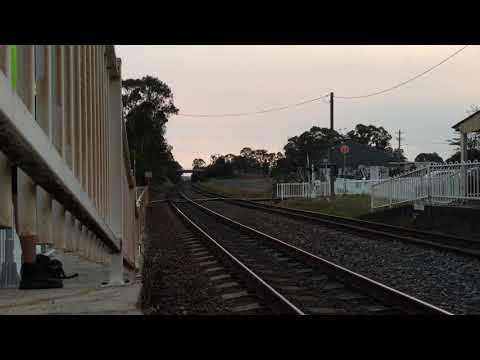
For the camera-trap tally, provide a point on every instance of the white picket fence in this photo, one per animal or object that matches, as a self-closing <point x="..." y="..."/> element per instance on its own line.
<point x="322" y="188"/>
<point x="434" y="184"/>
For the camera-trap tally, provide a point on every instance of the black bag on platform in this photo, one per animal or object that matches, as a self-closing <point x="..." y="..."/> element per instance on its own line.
<point x="53" y="267"/>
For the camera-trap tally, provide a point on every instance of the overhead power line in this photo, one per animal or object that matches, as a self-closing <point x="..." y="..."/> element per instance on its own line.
<point x="257" y="112"/>
<point x="406" y="81"/>
<point x="280" y="108"/>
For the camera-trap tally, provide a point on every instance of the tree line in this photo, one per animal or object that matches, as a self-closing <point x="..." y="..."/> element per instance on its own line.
<point x="314" y="145"/>
<point x="147" y="105"/>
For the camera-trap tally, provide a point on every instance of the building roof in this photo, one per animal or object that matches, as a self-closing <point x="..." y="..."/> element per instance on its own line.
<point x="361" y="154"/>
<point x="469" y="124"/>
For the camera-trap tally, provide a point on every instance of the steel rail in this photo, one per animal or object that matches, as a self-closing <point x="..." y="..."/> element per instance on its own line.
<point x="372" y="287"/>
<point x="276" y="300"/>
<point x="386" y="231"/>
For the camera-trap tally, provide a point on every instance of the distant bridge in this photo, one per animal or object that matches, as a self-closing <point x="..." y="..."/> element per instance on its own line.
<point x="191" y="171"/>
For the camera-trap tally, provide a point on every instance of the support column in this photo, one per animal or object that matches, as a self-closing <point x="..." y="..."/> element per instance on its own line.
<point x="78" y="237"/>
<point x="91" y="174"/>
<point x="116" y="269"/>
<point x="27" y="200"/>
<point x="60" y="226"/>
<point x="69" y="134"/>
<point x="85" y="120"/>
<point x="26" y="189"/>
<point x="84" y="242"/>
<point x="69" y="231"/>
<point x="58" y="128"/>
<point x="6" y="204"/>
<point x="94" y="140"/>
<point x="91" y="243"/>
<point x="44" y="217"/>
<point x="115" y="157"/>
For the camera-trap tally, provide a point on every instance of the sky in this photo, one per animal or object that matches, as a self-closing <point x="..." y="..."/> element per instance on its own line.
<point x="217" y="79"/>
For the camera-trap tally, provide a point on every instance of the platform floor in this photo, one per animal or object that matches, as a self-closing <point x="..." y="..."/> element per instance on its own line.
<point x="83" y="295"/>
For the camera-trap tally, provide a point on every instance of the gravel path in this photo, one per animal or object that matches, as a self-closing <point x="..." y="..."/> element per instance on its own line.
<point x="447" y="280"/>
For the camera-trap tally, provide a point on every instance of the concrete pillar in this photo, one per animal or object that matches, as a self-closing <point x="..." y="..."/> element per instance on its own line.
<point x="58" y="128"/>
<point x="44" y="94"/>
<point x="116" y="269"/>
<point x="107" y="134"/>
<point x="62" y="225"/>
<point x="69" y="231"/>
<point x="101" y="129"/>
<point x="85" y="120"/>
<point x="84" y="242"/>
<point x="97" y="250"/>
<point x="58" y="224"/>
<point x="94" y="153"/>
<point x="68" y="107"/>
<point x="44" y="217"/>
<point x="6" y="205"/>
<point x="77" y="112"/>
<point x="91" y="175"/>
<point x="26" y="199"/>
<point x="115" y="156"/>
<point x="98" y="154"/>
<point x="78" y="236"/>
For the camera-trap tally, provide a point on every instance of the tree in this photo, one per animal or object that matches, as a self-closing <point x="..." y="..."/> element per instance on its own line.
<point x="472" y="155"/>
<point x="429" y="157"/>
<point x="370" y="135"/>
<point x="314" y="143"/>
<point x="198" y="163"/>
<point x="147" y="104"/>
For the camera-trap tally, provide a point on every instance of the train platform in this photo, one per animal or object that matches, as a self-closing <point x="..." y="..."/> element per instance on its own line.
<point x="83" y="295"/>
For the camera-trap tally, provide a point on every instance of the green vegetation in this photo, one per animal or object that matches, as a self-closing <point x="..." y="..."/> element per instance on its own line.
<point x="343" y="205"/>
<point x="246" y="186"/>
<point x="147" y="105"/>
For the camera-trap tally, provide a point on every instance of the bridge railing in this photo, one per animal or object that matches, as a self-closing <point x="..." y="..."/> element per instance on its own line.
<point x="61" y="124"/>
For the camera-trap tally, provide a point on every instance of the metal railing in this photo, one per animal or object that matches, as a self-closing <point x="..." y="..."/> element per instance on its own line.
<point x="433" y="184"/>
<point x="322" y="188"/>
<point x="293" y="190"/>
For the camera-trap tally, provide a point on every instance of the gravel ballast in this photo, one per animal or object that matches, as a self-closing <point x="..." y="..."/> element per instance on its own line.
<point x="173" y="282"/>
<point x="444" y="279"/>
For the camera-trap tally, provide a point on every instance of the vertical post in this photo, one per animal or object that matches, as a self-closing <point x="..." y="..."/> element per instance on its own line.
<point x="6" y="204"/>
<point x="429" y="186"/>
<point x="332" y="187"/>
<point x="463" y="160"/>
<point x="26" y="215"/>
<point x="372" y="194"/>
<point x="391" y="192"/>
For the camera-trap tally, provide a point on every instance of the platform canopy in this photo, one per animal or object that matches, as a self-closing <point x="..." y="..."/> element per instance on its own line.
<point x="465" y="127"/>
<point x="469" y="124"/>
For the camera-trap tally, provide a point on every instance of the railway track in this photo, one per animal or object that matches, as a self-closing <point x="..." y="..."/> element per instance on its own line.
<point x="290" y="280"/>
<point x="463" y="246"/>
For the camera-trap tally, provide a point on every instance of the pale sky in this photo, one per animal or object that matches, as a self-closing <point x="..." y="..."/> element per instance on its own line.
<point x="233" y="79"/>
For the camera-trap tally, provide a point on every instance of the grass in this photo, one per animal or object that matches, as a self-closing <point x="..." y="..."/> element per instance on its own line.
<point x="351" y="206"/>
<point x="343" y="205"/>
<point x="237" y="187"/>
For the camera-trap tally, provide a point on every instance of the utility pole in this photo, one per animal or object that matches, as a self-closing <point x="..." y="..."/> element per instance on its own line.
<point x="332" y="184"/>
